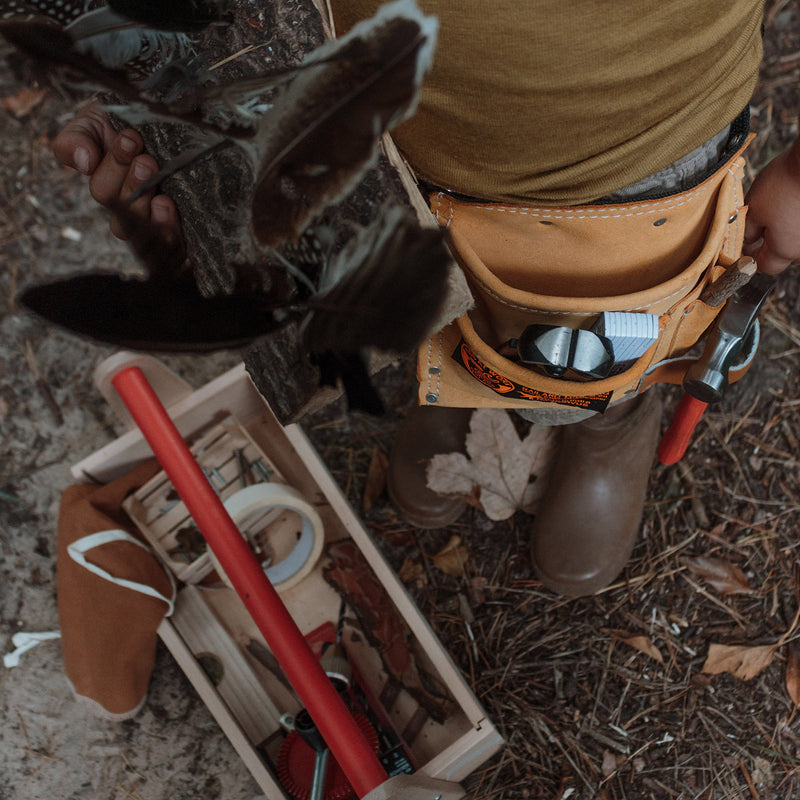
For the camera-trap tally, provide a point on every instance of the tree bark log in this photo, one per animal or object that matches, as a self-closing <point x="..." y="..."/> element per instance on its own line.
<point x="213" y="195"/>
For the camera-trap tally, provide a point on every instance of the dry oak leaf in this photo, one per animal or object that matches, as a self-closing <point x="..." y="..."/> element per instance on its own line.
<point x="793" y="672"/>
<point x="611" y="763"/>
<point x="452" y="557"/>
<point x="639" y="642"/>
<point x="23" y="102"/>
<point x="720" y="574"/>
<point x="376" y="479"/>
<point x="498" y="462"/>
<point x="412" y="572"/>
<point x="741" y="661"/>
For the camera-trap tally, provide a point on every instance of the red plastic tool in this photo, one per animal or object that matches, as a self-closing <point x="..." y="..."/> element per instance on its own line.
<point x="335" y="722"/>
<point x="674" y="442"/>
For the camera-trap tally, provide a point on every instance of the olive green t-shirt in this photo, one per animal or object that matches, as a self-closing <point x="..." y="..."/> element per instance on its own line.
<point x="557" y="102"/>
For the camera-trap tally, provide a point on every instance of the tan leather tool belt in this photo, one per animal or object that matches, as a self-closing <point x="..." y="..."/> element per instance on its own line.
<point x="564" y="267"/>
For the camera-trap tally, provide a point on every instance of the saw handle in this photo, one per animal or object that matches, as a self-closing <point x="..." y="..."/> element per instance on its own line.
<point x="674" y="442"/>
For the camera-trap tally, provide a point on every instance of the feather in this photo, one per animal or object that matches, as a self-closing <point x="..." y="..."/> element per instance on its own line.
<point x="115" y="40"/>
<point x="63" y="14"/>
<point x="98" y="21"/>
<point x="48" y="44"/>
<point x="351" y="371"/>
<point x="163" y="313"/>
<point x="383" y="290"/>
<point x="112" y="39"/>
<point x="117" y="48"/>
<point x="322" y="133"/>
<point x="171" y="15"/>
<point x="153" y="315"/>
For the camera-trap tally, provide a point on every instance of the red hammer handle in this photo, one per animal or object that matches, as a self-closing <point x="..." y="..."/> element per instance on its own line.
<point x="675" y="441"/>
<point x="331" y="716"/>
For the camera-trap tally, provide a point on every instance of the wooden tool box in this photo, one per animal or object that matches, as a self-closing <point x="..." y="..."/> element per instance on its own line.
<point x="346" y="600"/>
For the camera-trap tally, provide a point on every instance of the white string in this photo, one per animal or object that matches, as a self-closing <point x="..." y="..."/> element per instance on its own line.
<point x="24" y="642"/>
<point x="79" y="548"/>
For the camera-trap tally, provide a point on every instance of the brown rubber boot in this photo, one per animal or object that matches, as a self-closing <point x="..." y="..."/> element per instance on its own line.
<point x="587" y="524"/>
<point x="427" y="430"/>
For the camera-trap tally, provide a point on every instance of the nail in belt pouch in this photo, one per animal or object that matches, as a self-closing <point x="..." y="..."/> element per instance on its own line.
<point x="565" y="267"/>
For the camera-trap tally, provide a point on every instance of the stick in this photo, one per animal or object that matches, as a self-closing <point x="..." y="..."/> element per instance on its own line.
<point x="736" y="276"/>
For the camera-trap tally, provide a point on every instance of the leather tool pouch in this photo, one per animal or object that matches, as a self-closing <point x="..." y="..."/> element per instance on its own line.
<point x="564" y="267"/>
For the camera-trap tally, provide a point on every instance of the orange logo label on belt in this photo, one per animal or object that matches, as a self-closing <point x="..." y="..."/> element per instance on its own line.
<point x="484" y="374"/>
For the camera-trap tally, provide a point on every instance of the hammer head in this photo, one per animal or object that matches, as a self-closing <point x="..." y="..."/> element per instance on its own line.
<point x="707" y="378"/>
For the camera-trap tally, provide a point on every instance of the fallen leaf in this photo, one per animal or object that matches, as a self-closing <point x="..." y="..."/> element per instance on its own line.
<point x="739" y="660"/>
<point x="610" y="763"/>
<point x="639" y="642"/>
<point x="24" y="101"/>
<point x="761" y="773"/>
<point x="452" y="557"/>
<point x="720" y="574"/>
<point x="398" y="538"/>
<point x="376" y="479"/>
<point x="498" y="462"/>
<point x="700" y="682"/>
<point x="412" y="572"/>
<point x="793" y="672"/>
<point x="473" y="498"/>
<point x="465" y="609"/>
<point x="477" y="590"/>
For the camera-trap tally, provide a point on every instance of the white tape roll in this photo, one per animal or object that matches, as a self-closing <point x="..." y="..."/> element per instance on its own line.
<point x="268" y="496"/>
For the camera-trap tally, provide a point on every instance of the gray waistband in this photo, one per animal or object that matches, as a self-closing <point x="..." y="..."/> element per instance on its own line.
<point x="679" y="176"/>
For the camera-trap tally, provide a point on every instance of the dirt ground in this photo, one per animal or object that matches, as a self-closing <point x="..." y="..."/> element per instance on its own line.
<point x="600" y="698"/>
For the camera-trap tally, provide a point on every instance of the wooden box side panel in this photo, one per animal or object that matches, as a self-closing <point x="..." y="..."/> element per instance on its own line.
<point x="219" y="710"/>
<point x="231" y="393"/>
<point x="462" y="757"/>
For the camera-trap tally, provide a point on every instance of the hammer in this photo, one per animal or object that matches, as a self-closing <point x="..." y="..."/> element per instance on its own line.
<point x="707" y="378"/>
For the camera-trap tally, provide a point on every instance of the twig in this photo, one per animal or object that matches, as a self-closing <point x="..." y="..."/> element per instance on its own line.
<point x="734" y="277"/>
<point x="32" y="752"/>
<point x="243" y="52"/>
<point x="769" y="751"/>
<point x="753" y="500"/>
<point x="740" y="620"/>
<point x="41" y="385"/>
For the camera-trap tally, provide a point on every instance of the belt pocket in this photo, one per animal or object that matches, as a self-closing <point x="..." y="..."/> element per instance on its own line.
<point x="503" y="311"/>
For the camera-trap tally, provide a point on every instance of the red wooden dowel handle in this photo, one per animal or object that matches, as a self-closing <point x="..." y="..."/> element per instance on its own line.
<point x="343" y="736"/>
<point x="675" y="441"/>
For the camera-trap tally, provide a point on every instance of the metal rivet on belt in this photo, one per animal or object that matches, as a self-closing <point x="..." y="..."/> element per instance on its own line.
<point x="733" y="218"/>
<point x="431" y="398"/>
<point x="659" y="222"/>
<point x="433" y="370"/>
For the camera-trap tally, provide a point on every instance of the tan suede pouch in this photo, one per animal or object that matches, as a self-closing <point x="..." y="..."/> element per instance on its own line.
<point x="565" y="266"/>
<point x="108" y="630"/>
